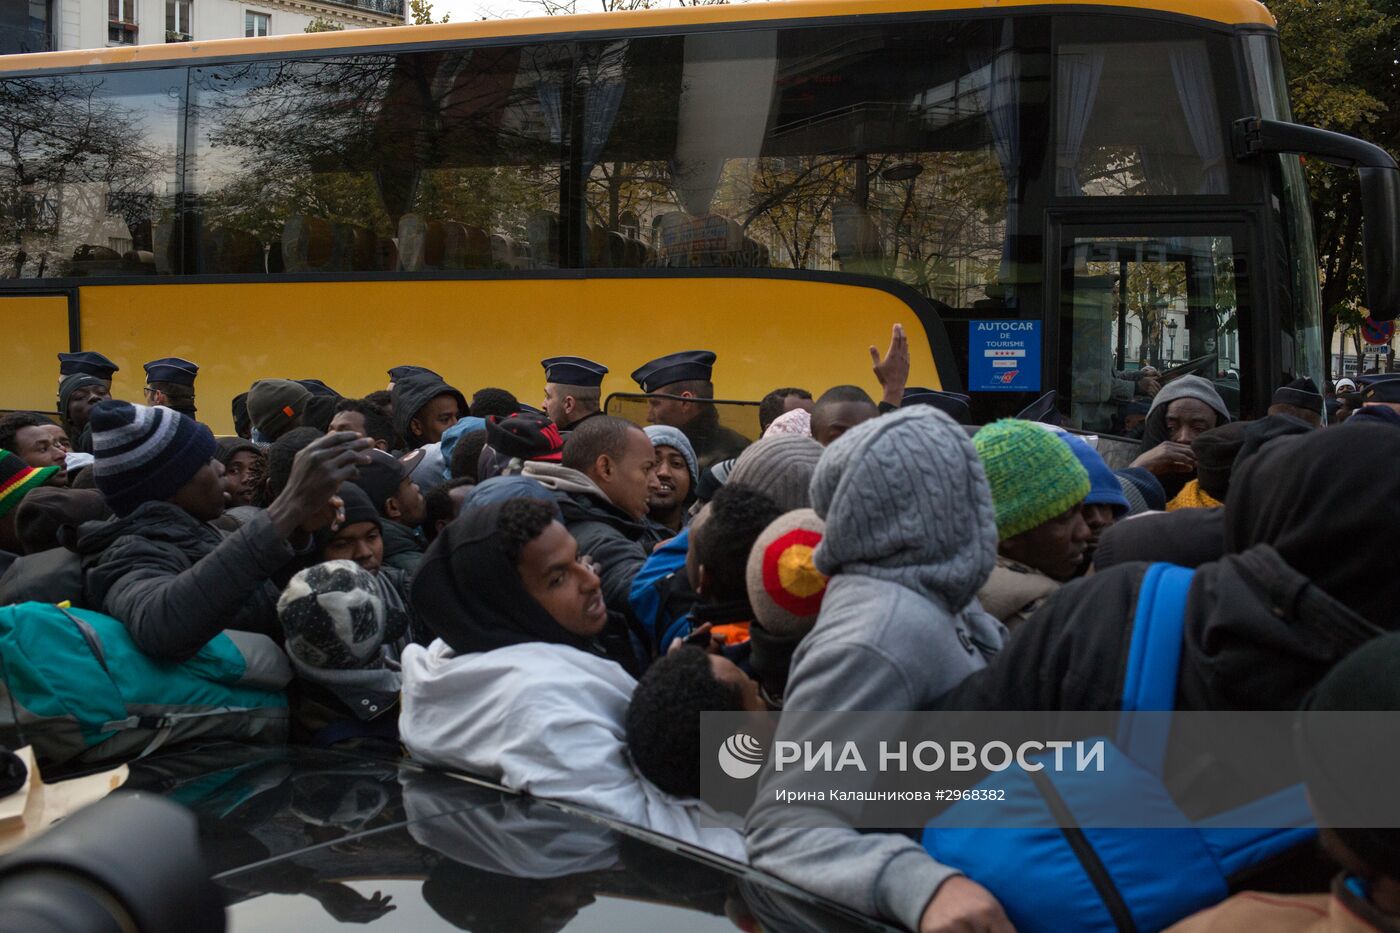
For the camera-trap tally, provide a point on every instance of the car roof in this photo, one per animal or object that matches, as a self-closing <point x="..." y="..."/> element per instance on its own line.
<point x="309" y="839"/>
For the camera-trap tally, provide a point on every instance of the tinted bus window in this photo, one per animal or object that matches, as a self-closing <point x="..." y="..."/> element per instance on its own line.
<point x="416" y="162"/>
<point x="1108" y="142"/>
<point x="892" y="151"/>
<point x="89" y="172"/>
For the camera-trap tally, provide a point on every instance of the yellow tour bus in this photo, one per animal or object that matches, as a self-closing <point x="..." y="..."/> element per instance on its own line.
<point x="1048" y="196"/>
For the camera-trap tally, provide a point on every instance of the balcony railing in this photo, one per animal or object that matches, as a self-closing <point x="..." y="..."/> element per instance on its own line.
<point x="392" y="8"/>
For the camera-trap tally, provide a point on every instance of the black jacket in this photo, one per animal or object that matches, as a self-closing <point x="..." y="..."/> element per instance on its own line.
<point x="618" y="544"/>
<point x="176" y="582"/>
<point x="402" y="548"/>
<point x="711" y="440"/>
<point x="1186" y="537"/>
<point x="1259" y="635"/>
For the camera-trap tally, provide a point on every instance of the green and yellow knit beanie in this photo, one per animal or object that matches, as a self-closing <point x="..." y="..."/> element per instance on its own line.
<point x="1033" y="474"/>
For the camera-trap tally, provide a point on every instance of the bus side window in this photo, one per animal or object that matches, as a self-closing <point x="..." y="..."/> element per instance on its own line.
<point x="91" y="161"/>
<point x="378" y="162"/>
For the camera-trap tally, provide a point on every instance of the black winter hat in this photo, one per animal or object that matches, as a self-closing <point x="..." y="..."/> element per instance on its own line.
<point x="70" y="384"/>
<point x="277" y="405"/>
<point x="525" y="437"/>
<point x="381" y="477"/>
<point x="1215" y="451"/>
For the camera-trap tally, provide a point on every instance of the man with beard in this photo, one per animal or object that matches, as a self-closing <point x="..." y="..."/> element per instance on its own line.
<point x="677" y="472"/>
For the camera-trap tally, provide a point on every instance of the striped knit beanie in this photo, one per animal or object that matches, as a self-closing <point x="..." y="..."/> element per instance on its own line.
<point x="145" y="454"/>
<point x="1034" y="476"/>
<point x="18" y="479"/>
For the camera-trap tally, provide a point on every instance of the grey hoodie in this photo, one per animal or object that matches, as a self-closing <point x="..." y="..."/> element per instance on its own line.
<point x="910" y="539"/>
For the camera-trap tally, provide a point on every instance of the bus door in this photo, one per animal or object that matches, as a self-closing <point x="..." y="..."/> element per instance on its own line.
<point x="1174" y="297"/>
<point x="36" y="328"/>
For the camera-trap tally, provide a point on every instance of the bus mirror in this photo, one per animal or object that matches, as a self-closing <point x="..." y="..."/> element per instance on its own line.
<point x="1380" y="212"/>
<point x="1380" y="195"/>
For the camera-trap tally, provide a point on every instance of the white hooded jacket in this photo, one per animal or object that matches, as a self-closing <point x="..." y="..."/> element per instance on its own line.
<point x="546" y="720"/>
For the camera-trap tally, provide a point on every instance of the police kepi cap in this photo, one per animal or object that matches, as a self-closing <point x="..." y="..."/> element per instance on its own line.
<point x="403" y="372"/>
<point x="88" y="362"/>
<point x="171" y="369"/>
<point x="573" y="371"/>
<point x="953" y="404"/>
<point x="1382" y="387"/>
<point x="317" y="387"/>
<point x="684" y="366"/>
<point x="1300" y="393"/>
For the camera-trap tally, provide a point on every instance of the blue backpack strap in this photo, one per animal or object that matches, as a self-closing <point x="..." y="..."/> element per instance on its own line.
<point x="1154" y="659"/>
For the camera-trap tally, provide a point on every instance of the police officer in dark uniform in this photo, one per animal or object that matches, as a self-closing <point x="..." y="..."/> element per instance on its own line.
<point x="170" y="382"/>
<point x="84" y="379"/>
<point x="573" y="390"/>
<point x="680" y="386"/>
<point x="1380" y="400"/>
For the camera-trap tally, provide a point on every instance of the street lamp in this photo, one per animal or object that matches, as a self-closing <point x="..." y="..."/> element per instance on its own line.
<point x="1171" y="340"/>
<point x="1159" y="305"/>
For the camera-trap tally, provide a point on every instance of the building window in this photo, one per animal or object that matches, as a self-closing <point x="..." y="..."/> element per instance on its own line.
<point x="177" y="21"/>
<point x="256" y="24"/>
<point x="121" y="22"/>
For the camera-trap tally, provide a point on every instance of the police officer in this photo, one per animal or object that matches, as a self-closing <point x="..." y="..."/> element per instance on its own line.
<point x="681" y="389"/>
<point x="1380" y="400"/>
<point x="84" y="379"/>
<point x="573" y="390"/>
<point x="170" y="382"/>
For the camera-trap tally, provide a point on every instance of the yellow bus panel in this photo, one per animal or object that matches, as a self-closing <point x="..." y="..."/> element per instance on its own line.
<point x="480" y="333"/>
<point x="36" y="331"/>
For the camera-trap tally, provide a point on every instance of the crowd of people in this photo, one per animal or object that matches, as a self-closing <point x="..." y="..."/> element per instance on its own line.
<point x="551" y="597"/>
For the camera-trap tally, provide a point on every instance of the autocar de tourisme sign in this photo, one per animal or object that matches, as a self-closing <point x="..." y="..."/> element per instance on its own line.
<point x="1003" y="356"/>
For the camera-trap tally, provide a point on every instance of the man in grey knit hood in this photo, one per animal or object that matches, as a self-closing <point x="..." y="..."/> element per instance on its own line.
<point x="1187" y="407"/>
<point x="910" y="538"/>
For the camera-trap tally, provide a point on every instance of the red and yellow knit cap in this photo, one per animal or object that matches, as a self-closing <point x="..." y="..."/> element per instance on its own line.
<point x="17" y="478"/>
<point x="785" y="587"/>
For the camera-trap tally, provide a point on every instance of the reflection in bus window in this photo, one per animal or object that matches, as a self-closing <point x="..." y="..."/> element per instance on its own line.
<point x="88" y="173"/>
<point x="825" y="149"/>
<point x="1170" y="303"/>
<point x="416" y="162"/>
<point x="1107" y="143"/>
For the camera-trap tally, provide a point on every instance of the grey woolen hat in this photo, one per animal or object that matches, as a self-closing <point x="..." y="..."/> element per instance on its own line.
<point x="781" y="468"/>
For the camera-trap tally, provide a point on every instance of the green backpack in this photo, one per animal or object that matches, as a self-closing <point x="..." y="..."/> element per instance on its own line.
<point x="78" y="689"/>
